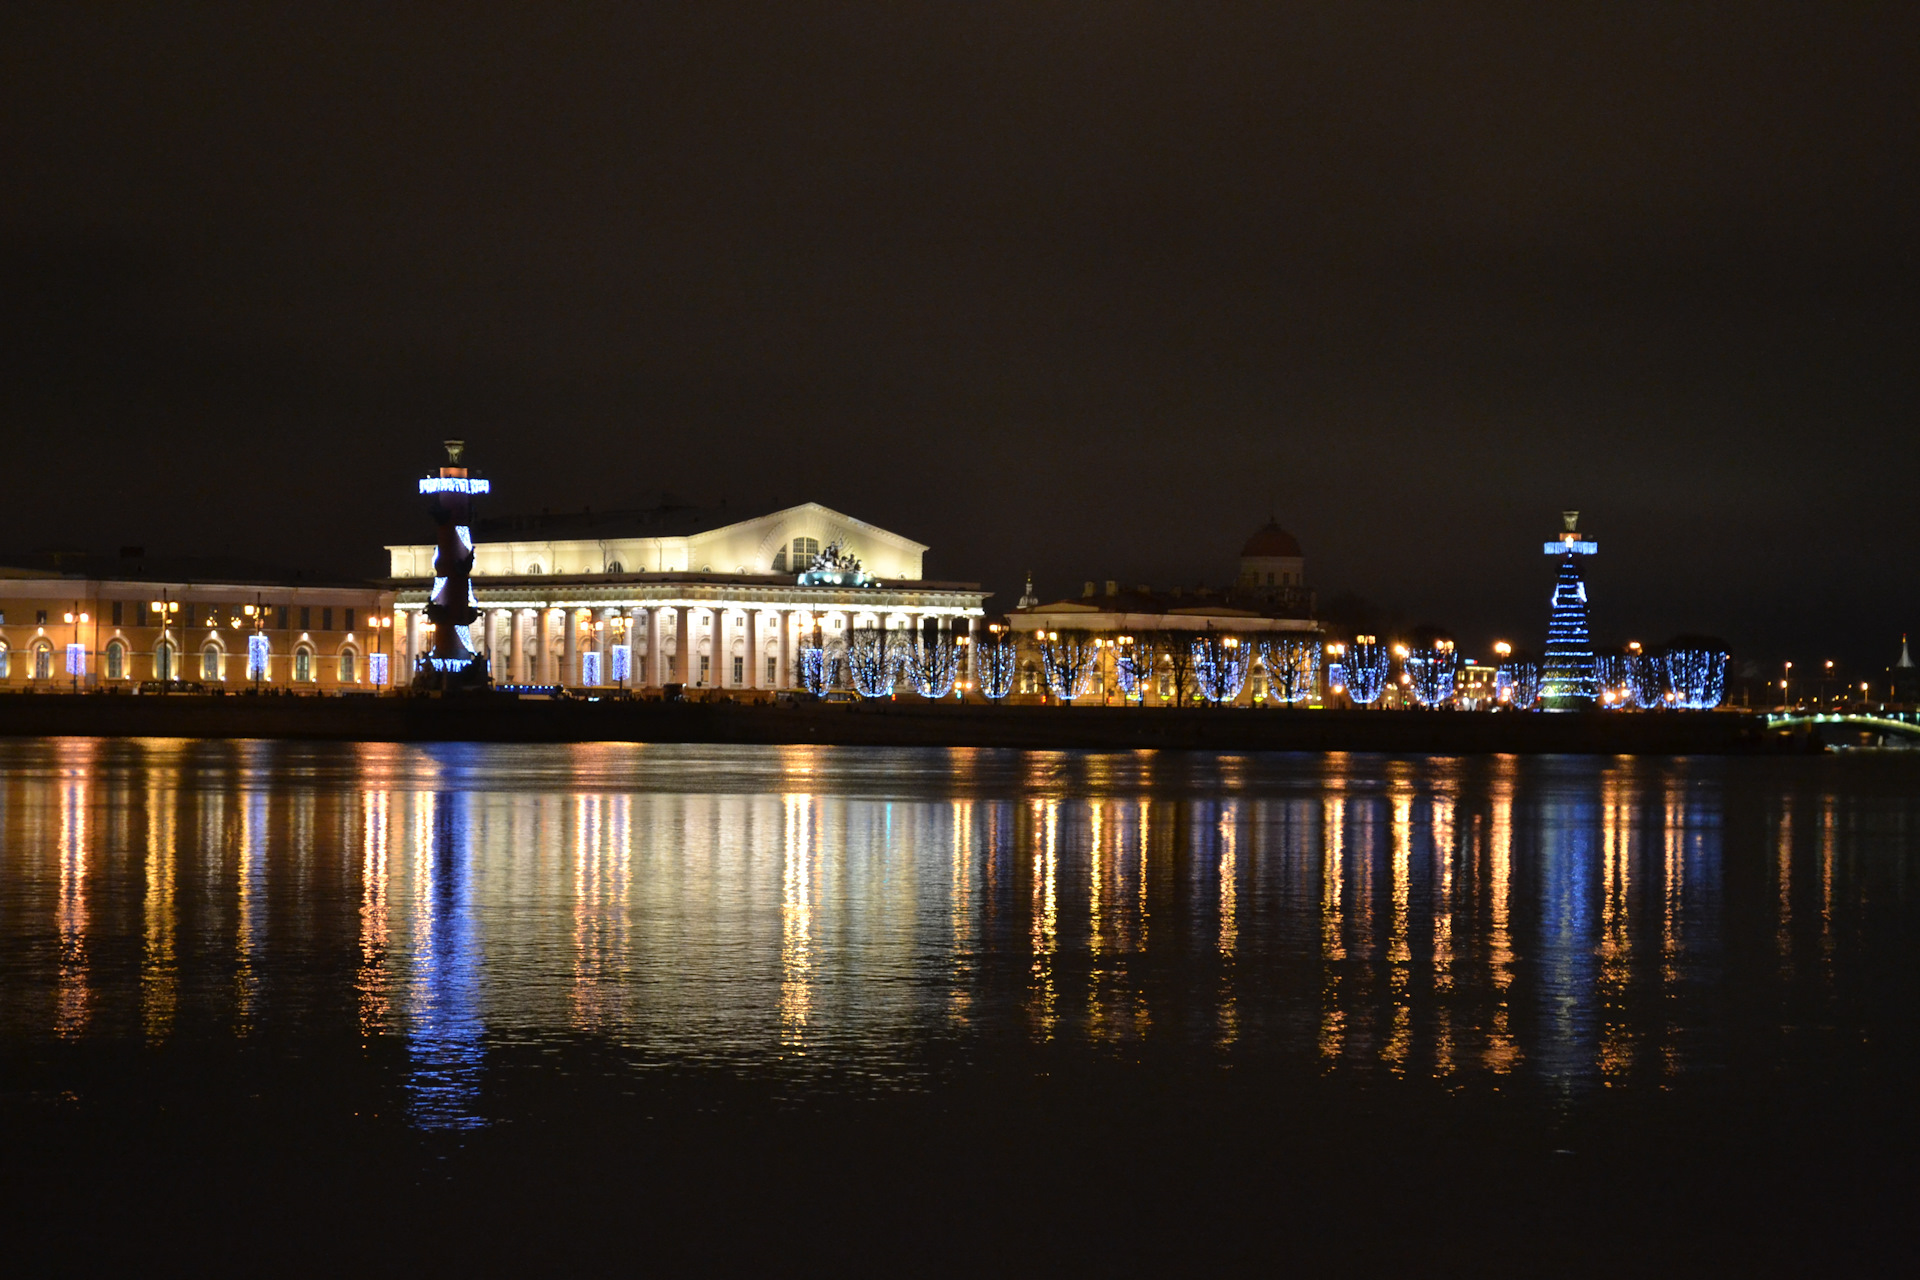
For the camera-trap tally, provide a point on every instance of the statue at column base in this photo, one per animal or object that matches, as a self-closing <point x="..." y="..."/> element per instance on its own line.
<point x="452" y="675"/>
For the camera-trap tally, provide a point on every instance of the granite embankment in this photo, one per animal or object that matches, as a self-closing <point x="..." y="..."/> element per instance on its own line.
<point x="902" y="723"/>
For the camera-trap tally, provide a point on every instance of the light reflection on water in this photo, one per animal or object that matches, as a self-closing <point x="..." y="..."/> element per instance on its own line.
<point x="1564" y="921"/>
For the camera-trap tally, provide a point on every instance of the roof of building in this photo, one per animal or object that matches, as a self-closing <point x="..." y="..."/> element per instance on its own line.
<point x="666" y="518"/>
<point x="1266" y="602"/>
<point x="132" y="564"/>
<point x="1270" y="540"/>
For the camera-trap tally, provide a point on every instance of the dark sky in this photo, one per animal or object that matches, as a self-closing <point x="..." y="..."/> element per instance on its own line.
<point x="1087" y="288"/>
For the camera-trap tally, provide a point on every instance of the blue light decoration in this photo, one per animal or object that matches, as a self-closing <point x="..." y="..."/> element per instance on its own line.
<point x="1567" y="682"/>
<point x="1069" y="659"/>
<point x="1220" y="665"/>
<point x="1647" y="679"/>
<point x="590" y="667"/>
<point x="259" y="651"/>
<point x="810" y="669"/>
<point x="873" y="661"/>
<point x="1293" y="666"/>
<point x="376" y="669"/>
<point x="1337" y="677"/>
<point x="1696" y="668"/>
<point x="933" y="668"/>
<point x="1366" y="666"/>
<point x="1516" y="684"/>
<point x="451" y="660"/>
<point x="622" y="663"/>
<point x="1430" y="672"/>
<point x="1610" y="677"/>
<point x="453" y="484"/>
<point x="995" y="659"/>
<point x="76" y="659"/>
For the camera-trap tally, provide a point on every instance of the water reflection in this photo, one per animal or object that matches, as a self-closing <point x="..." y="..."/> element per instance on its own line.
<point x="1562" y="921"/>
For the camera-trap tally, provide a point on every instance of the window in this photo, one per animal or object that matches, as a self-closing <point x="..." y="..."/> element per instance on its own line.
<point x="804" y="550"/>
<point x="282" y="622"/>
<point x="303" y="664"/>
<point x="210" y="662"/>
<point x="739" y="669"/>
<point x="614" y="566"/>
<point x="116" y="612"/>
<point x="349" y="667"/>
<point x="116" y="659"/>
<point x="780" y="559"/>
<point x="40" y="617"/>
<point x="535" y="568"/>
<point x="190" y="613"/>
<point x="349" y="620"/>
<point x="306" y="618"/>
<point x="326" y="619"/>
<point x="163" y="661"/>
<point x="773" y="672"/>
<point x="706" y="669"/>
<point x="43" y="662"/>
<point x="6" y="661"/>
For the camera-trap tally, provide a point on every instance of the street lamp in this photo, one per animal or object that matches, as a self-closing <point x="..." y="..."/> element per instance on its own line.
<point x="166" y="608"/>
<point x="76" y="655"/>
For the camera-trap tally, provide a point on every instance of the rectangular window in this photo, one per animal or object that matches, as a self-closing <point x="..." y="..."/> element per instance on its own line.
<point x="282" y="622"/>
<point x="349" y="620"/>
<point x="706" y="669"/>
<point x="773" y="671"/>
<point x="804" y="550"/>
<point x="40" y="617"/>
<point x="306" y="618"/>
<point x="190" y="614"/>
<point x="673" y="668"/>
<point x="739" y="670"/>
<point x="326" y="619"/>
<point x="116" y="611"/>
<point x="349" y="670"/>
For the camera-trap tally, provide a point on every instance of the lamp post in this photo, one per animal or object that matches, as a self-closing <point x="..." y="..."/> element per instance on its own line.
<point x="256" y="661"/>
<point x="166" y="608"/>
<point x="76" y="655"/>
<point x="964" y="643"/>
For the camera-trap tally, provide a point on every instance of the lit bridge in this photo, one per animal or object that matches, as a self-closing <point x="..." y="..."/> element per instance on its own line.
<point x="1853" y="728"/>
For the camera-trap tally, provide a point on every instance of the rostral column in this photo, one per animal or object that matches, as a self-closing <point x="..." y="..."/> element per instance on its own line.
<point x="452" y="608"/>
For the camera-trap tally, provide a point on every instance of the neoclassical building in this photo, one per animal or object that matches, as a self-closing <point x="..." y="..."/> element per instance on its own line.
<point x="79" y="621"/>
<point x="676" y="595"/>
<point x="1268" y="599"/>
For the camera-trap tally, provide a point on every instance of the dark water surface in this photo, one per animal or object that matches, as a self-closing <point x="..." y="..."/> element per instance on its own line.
<point x="283" y="1006"/>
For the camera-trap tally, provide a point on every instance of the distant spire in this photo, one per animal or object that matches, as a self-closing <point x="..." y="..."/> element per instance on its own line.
<point x="1027" y="599"/>
<point x="1906" y="659"/>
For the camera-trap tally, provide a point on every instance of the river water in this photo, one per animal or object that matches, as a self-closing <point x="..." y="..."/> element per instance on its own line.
<point x="271" y="1004"/>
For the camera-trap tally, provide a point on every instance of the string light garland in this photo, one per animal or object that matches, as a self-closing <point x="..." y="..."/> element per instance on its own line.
<point x="258" y="651"/>
<point x="76" y="659"/>
<point x="1430" y="672"/>
<point x="810" y="669"/>
<point x="1293" y="667"/>
<point x="1220" y="665"/>
<point x="1696" y="669"/>
<point x="873" y="660"/>
<point x="1567" y="680"/>
<point x="376" y="669"/>
<point x="1517" y="684"/>
<point x="622" y="664"/>
<point x="995" y="660"/>
<point x="933" y="668"/>
<point x="1068" y="659"/>
<point x="1364" y="670"/>
<point x="590" y="667"/>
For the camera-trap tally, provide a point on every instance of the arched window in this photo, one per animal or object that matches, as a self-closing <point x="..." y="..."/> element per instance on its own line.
<point x="303" y="665"/>
<point x="349" y="667"/>
<point x="163" y="660"/>
<point x="534" y="567"/>
<point x="210" y="662"/>
<point x="6" y="660"/>
<point x="614" y="566"/>
<point x="43" y="661"/>
<point x="116" y="660"/>
<point x="804" y="550"/>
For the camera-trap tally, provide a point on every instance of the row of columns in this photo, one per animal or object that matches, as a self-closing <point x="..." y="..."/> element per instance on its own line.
<point x="520" y="645"/>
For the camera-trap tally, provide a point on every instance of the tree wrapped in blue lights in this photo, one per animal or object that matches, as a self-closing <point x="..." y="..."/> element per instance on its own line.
<point x="258" y="650"/>
<point x="1647" y="678"/>
<point x="933" y="668"/>
<point x="810" y="668"/>
<point x="1135" y="667"/>
<point x="1517" y="683"/>
<point x="1612" y="677"/>
<point x="995" y="659"/>
<point x="1068" y="660"/>
<point x="1219" y="665"/>
<point x="1696" y="668"/>
<point x="1293" y="666"/>
<point x="1430" y="673"/>
<point x="873" y="661"/>
<point x="1366" y="664"/>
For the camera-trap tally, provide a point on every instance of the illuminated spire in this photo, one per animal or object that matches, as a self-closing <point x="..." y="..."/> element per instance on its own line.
<point x="1567" y="682"/>
<point x="1906" y="659"/>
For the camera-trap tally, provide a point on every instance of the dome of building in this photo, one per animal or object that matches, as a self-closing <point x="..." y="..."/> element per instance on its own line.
<point x="1270" y="541"/>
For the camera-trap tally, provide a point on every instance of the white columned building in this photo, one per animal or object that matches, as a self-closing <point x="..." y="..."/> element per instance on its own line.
<point x="743" y="594"/>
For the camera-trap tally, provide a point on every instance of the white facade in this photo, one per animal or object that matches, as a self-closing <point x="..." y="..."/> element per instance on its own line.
<point x="554" y="611"/>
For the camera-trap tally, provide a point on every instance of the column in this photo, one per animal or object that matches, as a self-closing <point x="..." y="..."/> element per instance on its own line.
<point x="413" y="648"/>
<point x="756" y="677"/>
<point x="783" y="676"/>
<point x="656" y="661"/>
<point x="569" y="647"/>
<point x="543" y="620"/>
<point x="686" y="667"/>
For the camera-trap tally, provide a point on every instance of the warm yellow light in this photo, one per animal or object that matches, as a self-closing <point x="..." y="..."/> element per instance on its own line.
<point x="249" y="611"/>
<point x="69" y="617"/>
<point x="1399" y="651"/>
<point x="1502" y="648"/>
<point x="155" y="606"/>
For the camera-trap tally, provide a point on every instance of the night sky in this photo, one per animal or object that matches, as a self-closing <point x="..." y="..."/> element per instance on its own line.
<point x="1083" y="288"/>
